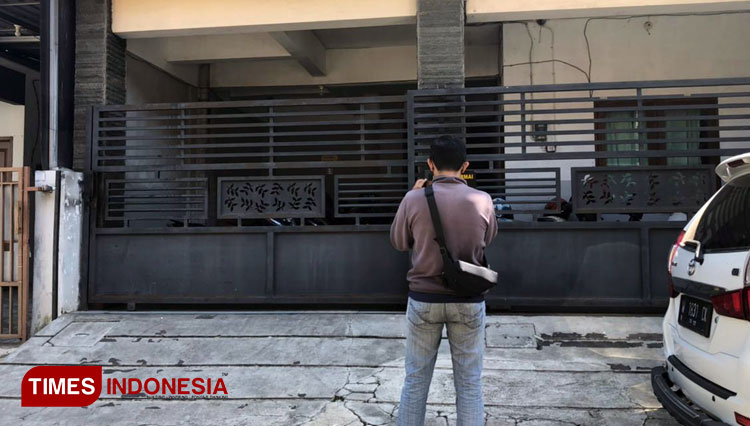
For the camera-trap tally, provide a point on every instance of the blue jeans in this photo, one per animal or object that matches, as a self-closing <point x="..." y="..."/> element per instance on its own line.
<point x="465" y="322"/>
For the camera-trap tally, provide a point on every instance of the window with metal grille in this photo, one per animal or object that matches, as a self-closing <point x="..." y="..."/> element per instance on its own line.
<point x="669" y="127"/>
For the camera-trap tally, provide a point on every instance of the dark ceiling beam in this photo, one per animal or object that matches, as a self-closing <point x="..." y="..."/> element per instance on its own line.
<point x="5" y="15"/>
<point x="305" y="47"/>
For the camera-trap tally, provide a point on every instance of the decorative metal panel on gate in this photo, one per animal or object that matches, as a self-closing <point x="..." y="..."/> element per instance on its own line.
<point x="639" y="190"/>
<point x="256" y="198"/>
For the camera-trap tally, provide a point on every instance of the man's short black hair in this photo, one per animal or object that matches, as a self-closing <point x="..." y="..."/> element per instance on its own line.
<point x="448" y="153"/>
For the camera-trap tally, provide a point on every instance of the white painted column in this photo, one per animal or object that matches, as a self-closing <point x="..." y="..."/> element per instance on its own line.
<point x="69" y="246"/>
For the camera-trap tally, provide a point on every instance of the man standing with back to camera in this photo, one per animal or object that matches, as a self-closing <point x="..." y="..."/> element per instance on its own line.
<point x="469" y="226"/>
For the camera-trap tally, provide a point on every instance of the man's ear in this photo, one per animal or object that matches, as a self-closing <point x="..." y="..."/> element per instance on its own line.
<point x="431" y="165"/>
<point x="464" y="167"/>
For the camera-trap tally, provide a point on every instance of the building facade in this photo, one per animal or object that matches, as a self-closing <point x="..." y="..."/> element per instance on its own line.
<point x="249" y="152"/>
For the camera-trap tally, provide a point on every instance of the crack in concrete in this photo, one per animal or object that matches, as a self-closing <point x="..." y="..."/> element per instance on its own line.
<point x="440" y="415"/>
<point x="522" y="420"/>
<point x="358" y="389"/>
<point x="312" y="417"/>
<point x="364" y="385"/>
<point x="351" y="410"/>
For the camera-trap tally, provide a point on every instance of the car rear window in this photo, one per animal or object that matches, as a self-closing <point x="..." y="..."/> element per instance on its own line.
<point x="725" y="225"/>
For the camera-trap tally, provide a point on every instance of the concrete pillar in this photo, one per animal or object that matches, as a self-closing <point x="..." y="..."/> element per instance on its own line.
<point x="58" y="242"/>
<point x="70" y="231"/>
<point x="440" y="43"/>
<point x="44" y="218"/>
<point x="100" y="67"/>
<point x="204" y="82"/>
<point x="70" y="243"/>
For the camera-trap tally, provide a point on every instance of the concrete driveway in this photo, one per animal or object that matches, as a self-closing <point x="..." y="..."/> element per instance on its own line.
<point x="342" y="368"/>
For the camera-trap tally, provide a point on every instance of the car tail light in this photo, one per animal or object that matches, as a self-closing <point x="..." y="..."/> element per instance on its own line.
<point x="673" y="253"/>
<point x="741" y="420"/>
<point x="735" y="163"/>
<point x="747" y="271"/>
<point x="733" y="304"/>
<point x="672" y="292"/>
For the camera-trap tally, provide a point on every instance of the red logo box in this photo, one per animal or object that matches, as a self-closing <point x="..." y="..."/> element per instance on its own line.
<point x="61" y="386"/>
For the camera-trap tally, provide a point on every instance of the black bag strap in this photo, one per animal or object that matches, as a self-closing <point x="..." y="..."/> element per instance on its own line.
<point x="436" y="222"/>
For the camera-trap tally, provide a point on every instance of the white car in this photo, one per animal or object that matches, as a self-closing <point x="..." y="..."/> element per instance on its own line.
<point x="706" y="378"/>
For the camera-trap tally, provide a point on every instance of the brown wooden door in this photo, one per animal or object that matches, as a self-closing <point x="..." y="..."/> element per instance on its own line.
<point x="6" y="152"/>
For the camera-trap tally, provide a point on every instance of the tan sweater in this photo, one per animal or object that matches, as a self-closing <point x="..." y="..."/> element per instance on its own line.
<point x="469" y="225"/>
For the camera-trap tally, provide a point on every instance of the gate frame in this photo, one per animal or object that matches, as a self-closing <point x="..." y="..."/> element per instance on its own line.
<point x="645" y="239"/>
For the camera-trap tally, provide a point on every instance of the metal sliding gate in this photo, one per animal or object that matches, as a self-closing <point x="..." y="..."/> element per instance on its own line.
<point x="290" y="201"/>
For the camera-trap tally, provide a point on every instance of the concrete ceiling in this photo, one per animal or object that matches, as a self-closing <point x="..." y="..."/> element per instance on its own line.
<point x="396" y="35"/>
<point x="364" y="37"/>
<point x="180" y="55"/>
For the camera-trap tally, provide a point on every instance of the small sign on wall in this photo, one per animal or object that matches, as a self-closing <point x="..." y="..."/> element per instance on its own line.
<point x="470" y="177"/>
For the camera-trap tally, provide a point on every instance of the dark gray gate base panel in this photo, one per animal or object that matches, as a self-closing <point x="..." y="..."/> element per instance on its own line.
<point x="591" y="266"/>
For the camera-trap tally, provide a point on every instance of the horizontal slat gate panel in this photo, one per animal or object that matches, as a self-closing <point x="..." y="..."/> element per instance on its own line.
<point x="669" y="130"/>
<point x="164" y="164"/>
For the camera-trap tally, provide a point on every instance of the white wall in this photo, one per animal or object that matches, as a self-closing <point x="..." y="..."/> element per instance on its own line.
<point x="11" y="124"/>
<point x="514" y="10"/>
<point x="626" y="49"/>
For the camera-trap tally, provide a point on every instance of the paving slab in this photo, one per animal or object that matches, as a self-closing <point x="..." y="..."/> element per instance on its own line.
<point x="161" y="412"/>
<point x="511" y="335"/>
<point x="542" y="416"/>
<point x="326" y="368"/>
<point x="166" y="351"/>
<point x="315" y="351"/>
<point x="611" y="327"/>
<point x="513" y="388"/>
<point x="85" y="334"/>
<point x="171" y="324"/>
<point x="306" y="412"/>
<point x="8" y="347"/>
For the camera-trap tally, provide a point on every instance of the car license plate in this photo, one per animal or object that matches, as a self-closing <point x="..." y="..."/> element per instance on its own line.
<point x="696" y="315"/>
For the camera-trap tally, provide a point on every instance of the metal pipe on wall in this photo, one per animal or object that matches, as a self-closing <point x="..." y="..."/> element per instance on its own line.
<point x="52" y="68"/>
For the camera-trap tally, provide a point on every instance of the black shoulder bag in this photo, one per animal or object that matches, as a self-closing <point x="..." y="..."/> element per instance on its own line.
<point x="464" y="278"/>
